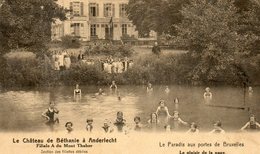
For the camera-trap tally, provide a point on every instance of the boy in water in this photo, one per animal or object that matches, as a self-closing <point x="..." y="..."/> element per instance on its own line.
<point x="138" y="126"/>
<point x="89" y="126"/>
<point x="175" y="120"/>
<point x="207" y="94"/>
<point x="100" y="92"/>
<point x="68" y="126"/>
<point x="193" y="128"/>
<point x="49" y="114"/>
<point x="163" y="113"/>
<point x="107" y="128"/>
<point x="77" y="91"/>
<point x="167" y="90"/>
<point x="149" y="88"/>
<point x="252" y="124"/>
<point x="113" y="86"/>
<point x="218" y="128"/>
<point x="120" y="121"/>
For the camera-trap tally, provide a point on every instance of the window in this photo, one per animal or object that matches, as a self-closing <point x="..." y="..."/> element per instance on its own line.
<point x="93" y="30"/>
<point x="93" y="10"/>
<point x="124" y="29"/>
<point x="122" y="10"/>
<point x="109" y="10"/>
<point x="76" y="8"/>
<point x="76" y="29"/>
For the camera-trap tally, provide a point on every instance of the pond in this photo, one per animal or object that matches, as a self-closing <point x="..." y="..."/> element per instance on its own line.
<point x="21" y="110"/>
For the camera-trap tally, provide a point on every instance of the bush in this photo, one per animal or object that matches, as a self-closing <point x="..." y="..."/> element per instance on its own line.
<point x="22" y="68"/>
<point x="18" y="66"/>
<point x="68" y="41"/>
<point x="82" y="74"/>
<point x="172" y="69"/>
<point x="25" y="69"/>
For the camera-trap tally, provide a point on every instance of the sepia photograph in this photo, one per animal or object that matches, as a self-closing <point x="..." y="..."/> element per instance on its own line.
<point x="130" y="76"/>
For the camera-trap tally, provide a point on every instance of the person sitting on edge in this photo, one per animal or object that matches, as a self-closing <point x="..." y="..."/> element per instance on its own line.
<point x="120" y="121"/>
<point x="252" y="124"/>
<point x="218" y="128"/>
<point x="49" y="114"/>
<point x="77" y="91"/>
<point x="149" y="88"/>
<point x="89" y="126"/>
<point x="68" y="126"/>
<point x="193" y="128"/>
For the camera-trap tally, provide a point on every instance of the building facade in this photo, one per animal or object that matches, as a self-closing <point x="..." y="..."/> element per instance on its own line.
<point x="95" y="19"/>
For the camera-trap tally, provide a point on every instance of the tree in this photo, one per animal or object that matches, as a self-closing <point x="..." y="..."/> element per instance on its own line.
<point x="210" y="31"/>
<point x="27" y="23"/>
<point x="157" y="15"/>
<point x="250" y="21"/>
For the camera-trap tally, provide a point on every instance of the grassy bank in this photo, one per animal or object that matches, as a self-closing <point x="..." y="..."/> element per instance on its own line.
<point x="172" y="67"/>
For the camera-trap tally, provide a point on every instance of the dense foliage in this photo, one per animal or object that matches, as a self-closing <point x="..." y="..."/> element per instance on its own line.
<point x="219" y="34"/>
<point x="27" y="23"/>
<point x="214" y="35"/>
<point x="156" y="15"/>
<point x="68" y="41"/>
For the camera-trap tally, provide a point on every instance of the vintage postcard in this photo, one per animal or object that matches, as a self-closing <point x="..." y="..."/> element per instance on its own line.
<point x="130" y="76"/>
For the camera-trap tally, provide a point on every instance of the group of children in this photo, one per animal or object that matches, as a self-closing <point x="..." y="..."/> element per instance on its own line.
<point x="118" y="65"/>
<point x="60" y="60"/>
<point x="160" y="120"/>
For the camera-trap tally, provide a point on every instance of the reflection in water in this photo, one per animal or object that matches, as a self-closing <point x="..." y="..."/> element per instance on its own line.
<point x="24" y="108"/>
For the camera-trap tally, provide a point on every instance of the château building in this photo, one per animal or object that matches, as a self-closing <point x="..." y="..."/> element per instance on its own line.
<point x="95" y="19"/>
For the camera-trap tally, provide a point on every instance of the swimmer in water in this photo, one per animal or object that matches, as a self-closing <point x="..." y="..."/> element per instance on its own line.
<point x="193" y="128"/>
<point x="113" y="86"/>
<point x="175" y="120"/>
<point x="137" y="121"/>
<point x="89" y="126"/>
<point x="207" y="94"/>
<point x="176" y="100"/>
<point x="250" y="90"/>
<point x="77" y="91"/>
<point x="149" y="88"/>
<point x="153" y="121"/>
<point x="167" y="128"/>
<point x="106" y="127"/>
<point x="120" y="121"/>
<point x="162" y="112"/>
<point x="252" y="124"/>
<point x="167" y="90"/>
<point x="68" y="126"/>
<point x="119" y="96"/>
<point x="49" y="114"/>
<point x="100" y="92"/>
<point x="218" y="128"/>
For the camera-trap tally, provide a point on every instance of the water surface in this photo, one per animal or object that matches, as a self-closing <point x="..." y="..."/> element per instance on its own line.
<point x="20" y="110"/>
